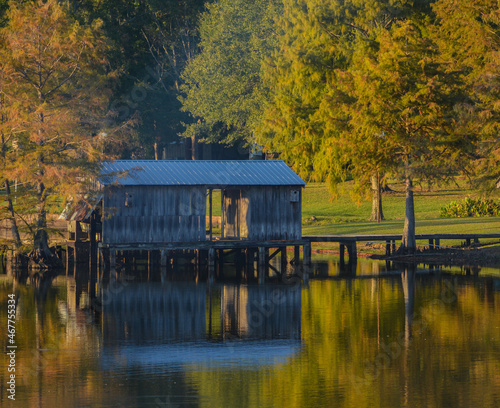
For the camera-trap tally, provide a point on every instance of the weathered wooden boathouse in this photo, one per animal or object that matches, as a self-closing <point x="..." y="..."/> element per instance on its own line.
<point x="156" y="202"/>
<point x="168" y="205"/>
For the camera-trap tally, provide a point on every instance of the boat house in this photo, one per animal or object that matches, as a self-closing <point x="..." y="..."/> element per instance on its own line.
<point x="158" y="202"/>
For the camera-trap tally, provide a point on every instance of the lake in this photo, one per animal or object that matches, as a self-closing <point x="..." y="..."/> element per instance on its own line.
<point x="390" y="336"/>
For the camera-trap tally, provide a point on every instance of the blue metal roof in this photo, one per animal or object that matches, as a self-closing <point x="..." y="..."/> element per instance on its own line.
<point x="217" y="174"/>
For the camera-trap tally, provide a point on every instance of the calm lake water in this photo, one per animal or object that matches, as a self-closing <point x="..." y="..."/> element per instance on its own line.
<point x="390" y="337"/>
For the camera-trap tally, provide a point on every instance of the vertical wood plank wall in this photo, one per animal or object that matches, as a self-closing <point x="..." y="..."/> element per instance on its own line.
<point x="262" y="213"/>
<point x="158" y="214"/>
<point x="154" y="214"/>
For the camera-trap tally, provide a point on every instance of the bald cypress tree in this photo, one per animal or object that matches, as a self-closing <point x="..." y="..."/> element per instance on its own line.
<point x="362" y="89"/>
<point x="401" y="110"/>
<point x="468" y="33"/>
<point x="53" y="81"/>
<point x="318" y="37"/>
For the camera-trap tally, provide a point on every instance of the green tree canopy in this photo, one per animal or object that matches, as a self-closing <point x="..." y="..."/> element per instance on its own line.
<point x="317" y="37"/>
<point x="223" y="84"/>
<point x="4" y="6"/>
<point x="401" y="108"/>
<point x="151" y="41"/>
<point x="468" y="32"/>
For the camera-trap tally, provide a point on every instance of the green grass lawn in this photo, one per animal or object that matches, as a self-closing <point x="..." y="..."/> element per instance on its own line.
<point x="344" y="216"/>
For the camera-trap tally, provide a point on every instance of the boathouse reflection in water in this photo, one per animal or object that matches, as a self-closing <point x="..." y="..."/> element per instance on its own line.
<point x="154" y="313"/>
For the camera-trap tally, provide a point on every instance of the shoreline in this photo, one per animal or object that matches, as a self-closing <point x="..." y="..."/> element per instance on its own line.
<point x="482" y="256"/>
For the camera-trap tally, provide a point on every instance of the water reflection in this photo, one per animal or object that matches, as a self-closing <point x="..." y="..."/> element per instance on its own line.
<point x="157" y="313"/>
<point x="264" y="312"/>
<point x="152" y="313"/>
<point x="382" y="337"/>
<point x="408" y="282"/>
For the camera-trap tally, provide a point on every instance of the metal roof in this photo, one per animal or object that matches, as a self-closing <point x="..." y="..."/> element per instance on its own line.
<point x="217" y="174"/>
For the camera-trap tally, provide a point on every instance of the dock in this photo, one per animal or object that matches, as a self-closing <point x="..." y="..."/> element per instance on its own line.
<point x="260" y="253"/>
<point x="249" y="255"/>
<point x="349" y="242"/>
<point x="160" y="211"/>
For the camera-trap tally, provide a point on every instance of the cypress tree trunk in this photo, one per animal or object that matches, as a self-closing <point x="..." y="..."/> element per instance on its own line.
<point x="377" y="212"/>
<point x="13" y="224"/>
<point x="409" y="244"/>
<point x="41" y="253"/>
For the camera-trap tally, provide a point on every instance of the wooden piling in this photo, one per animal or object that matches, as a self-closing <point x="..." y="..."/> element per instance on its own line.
<point x="197" y="259"/>
<point x="112" y="264"/>
<point x="263" y="251"/>
<point x="68" y="249"/>
<point x="283" y="259"/>
<point x="163" y="258"/>
<point x="250" y="262"/>
<point x="307" y="254"/>
<point x="210" y="213"/>
<point x="220" y="263"/>
<point x="296" y="254"/>
<point x="93" y="241"/>
<point x="100" y="260"/>
<point x="211" y="259"/>
<point x="211" y="264"/>
<point x="352" y="252"/>
<point x="306" y="267"/>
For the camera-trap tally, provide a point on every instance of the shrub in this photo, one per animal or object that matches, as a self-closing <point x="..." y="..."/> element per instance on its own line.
<point x="471" y="207"/>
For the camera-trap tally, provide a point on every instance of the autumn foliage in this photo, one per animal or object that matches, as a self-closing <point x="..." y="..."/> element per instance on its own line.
<point x="54" y="94"/>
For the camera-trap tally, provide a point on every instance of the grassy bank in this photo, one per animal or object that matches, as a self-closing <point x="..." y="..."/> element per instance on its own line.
<point x="344" y="216"/>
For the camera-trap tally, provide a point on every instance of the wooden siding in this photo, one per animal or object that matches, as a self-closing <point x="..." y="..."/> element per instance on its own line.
<point x="263" y="213"/>
<point x="154" y="214"/>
